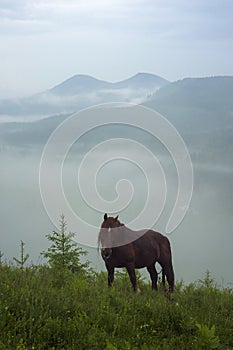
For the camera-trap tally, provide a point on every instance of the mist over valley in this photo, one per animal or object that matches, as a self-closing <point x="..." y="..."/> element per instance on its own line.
<point x="201" y="109"/>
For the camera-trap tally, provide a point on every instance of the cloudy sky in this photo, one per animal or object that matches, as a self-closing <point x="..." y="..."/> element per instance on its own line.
<point x="43" y="42"/>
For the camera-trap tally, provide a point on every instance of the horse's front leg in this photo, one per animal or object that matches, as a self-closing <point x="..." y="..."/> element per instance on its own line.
<point x="110" y="275"/>
<point x="131" y="271"/>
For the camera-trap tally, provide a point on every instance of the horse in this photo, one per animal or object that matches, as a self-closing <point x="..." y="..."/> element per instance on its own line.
<point x="123" y="247"/>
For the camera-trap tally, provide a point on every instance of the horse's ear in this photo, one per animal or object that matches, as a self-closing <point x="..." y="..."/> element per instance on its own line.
<point x="116" y="218"/>
<point x="105" y="216"/>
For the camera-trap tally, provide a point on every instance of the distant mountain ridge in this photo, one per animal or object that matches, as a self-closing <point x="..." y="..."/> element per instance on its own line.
<point x="143" y="80"/>
<point x="81" y="91"/>
<point x="79" y="83"/>
<point x="199" y="103"/>
<point x="201" y="109"/>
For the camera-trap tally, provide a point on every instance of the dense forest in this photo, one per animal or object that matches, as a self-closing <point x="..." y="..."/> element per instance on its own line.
<point x="64" y="304"/>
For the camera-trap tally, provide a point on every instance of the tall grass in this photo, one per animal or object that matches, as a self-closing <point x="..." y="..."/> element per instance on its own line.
<point x="47" y="308"/>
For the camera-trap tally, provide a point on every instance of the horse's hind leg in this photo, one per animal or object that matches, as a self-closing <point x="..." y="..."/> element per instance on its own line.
<point x="168" y="271"/>
<point x="153" y="275"/>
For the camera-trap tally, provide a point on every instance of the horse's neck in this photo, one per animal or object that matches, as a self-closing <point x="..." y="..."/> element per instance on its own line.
<point x="126" y="230"/>
<point x="129" y="234"/>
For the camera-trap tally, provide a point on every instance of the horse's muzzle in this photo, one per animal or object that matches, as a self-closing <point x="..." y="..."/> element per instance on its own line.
<point x="106" y="253"/>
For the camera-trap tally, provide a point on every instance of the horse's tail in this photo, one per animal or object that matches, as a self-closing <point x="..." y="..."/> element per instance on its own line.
<point x="163" y="276"/>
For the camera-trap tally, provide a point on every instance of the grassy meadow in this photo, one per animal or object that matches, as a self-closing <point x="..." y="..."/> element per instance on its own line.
<point x="43" y="307"/>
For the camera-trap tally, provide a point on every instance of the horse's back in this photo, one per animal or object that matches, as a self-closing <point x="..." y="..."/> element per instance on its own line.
<point x="153" y="237"/>
<point x="155" y="245"/>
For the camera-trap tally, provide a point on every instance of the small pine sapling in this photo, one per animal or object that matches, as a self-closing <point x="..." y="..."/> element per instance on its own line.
<point x="23" y="257"/>
<point x="64" y="253"/>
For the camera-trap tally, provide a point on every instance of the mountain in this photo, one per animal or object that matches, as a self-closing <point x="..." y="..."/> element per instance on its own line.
<point x="79" y="84"/>
<point x="28" y="136"/>
<point x="200" y="108"/>
<point x="142" y="81"/>
<point x="85" y="83"/>
<point x="199" y="104"/>
<point x="81" y="91"/>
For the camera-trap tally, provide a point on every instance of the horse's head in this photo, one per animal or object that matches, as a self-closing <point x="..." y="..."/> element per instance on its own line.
<point x="108" y="235"/>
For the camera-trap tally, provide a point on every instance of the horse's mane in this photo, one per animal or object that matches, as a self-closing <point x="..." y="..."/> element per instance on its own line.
<point x="128" y="235"/>
<point x="98" y="243"/>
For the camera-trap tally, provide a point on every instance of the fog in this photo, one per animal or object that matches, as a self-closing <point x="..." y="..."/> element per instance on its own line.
<point x="203" y="240"/>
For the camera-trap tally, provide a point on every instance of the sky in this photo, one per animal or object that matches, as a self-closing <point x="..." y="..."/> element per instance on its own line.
<point x="43" y="42"/>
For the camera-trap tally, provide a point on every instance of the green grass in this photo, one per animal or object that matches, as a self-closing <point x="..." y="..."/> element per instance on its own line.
<point x="42" y="308"/>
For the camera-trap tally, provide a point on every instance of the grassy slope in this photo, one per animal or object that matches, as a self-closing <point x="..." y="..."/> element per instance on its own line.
<point x="45" y="309"/>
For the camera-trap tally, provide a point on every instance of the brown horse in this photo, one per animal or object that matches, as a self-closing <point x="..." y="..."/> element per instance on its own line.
<point x="122" y="247"/>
